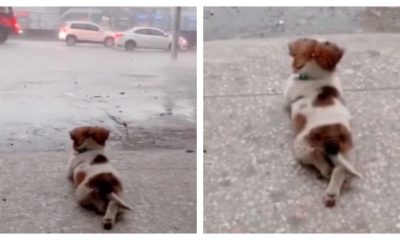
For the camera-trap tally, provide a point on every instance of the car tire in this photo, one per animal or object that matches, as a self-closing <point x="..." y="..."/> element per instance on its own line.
<point x="3" y="35"/>
<point x="71" y="40"/>
<point x="130" y="45"/>
<point x="109" y="42"/>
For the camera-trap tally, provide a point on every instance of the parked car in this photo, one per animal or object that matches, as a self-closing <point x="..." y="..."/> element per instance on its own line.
<point x="8" y="23"/>
<point x="146" y="37"/>
<point x="85" y="32"/>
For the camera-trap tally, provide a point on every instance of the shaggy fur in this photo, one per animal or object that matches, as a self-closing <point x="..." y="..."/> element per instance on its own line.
<point x="97" y="184"/>
<point x="321" y="121"/>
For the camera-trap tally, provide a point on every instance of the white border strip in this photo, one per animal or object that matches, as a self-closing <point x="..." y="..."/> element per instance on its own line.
<point x="200" y="105"/>
<point x="199" y="3"/>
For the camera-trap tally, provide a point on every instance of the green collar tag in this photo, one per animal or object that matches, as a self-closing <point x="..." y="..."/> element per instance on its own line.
<point x="303" y="77"/>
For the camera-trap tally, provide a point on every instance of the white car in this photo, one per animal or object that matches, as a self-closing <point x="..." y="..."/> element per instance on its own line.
<point x="146" y="37"/>
<point x="85" y="32"/>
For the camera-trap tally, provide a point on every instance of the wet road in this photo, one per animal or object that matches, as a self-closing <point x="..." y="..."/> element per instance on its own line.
<point x="266" y="22"/>
<point x="47" y="88"/>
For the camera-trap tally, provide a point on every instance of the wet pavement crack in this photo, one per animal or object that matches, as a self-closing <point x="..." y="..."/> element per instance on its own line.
<point x="119" y="122"/>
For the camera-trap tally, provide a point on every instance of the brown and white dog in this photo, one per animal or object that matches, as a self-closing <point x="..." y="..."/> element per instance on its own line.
<point x="321" y="121"/>
<point x="97" y="183"/>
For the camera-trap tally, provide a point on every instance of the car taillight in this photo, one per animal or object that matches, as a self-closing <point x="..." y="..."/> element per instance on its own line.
<point x="183" y="41"/>
<point x="118" y="35"/>
<point x="16" y="26"/>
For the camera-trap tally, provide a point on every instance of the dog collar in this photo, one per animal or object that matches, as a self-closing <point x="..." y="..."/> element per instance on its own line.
<point x="303" y="77"/>
<point x="82" y="150"/>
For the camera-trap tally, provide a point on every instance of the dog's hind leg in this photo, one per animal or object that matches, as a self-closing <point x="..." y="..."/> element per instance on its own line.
<point x="88" y="198"/>
<point x="322" y="164"/>
<point x="316" y="159"/>
<point x="339" y="175"/>
<point x="83" y="195"/>
<point x="111" y="215"/>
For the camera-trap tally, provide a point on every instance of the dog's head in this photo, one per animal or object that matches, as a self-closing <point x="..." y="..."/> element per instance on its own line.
<point x="90" y="138"/>
<point x="325" y="54"/>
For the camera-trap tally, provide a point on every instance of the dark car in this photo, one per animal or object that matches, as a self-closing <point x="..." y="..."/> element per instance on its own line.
<point x="8" y="23"/>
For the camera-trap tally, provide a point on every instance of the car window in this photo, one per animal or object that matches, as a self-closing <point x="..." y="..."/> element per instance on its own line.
<point x="91" y="27"/>
<point x="6" y="11"/>
<point x="155" y="32"/>
<point x="78" y="26"/>
<point x="141" y="31"/>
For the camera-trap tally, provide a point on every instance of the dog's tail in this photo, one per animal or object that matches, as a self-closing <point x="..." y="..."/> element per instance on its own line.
<point x="332" y="151"/>
<point x="119" y="200"/>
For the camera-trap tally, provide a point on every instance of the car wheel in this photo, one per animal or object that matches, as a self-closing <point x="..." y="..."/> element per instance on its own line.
<point x="109" y="42"/>
<point x="70" y="40"/>
<point x="130" y="45"/>
<point x="3" y="35"/>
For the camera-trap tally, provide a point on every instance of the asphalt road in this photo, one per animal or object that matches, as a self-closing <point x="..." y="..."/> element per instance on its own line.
<point x="144" y="98"/>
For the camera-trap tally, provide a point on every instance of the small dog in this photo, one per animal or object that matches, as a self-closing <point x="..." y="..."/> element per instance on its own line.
<point x="97" y="184"/>
<point x="321" y="121"/>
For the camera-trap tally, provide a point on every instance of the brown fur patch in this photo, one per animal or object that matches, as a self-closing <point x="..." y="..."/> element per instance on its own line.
<point x="105" y="183"/>
<point x="100" y="135"/>
<point x="80" y="134"/>
<point x="99" y="159"/>
<point x="326" y="54"/>
<point x="299" y="123"/>
<point x="337" y="133"/>
<point x="326" y="96"/>
<point x="79" y="178"/>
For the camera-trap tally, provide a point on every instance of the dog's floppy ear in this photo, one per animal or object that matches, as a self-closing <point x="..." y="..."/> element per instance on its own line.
<point x="79" y="132"/>
<point x="295" y="45"/>
<point x="329" y="55"/>
<point x="292" y="49"/>
<point x="335" y="52"/>
<point x="99" y="134"/>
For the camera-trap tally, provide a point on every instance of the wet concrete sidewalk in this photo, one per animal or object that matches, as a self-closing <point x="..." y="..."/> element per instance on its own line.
<point x="37" y="197"/>
<point x="251" y="181"/>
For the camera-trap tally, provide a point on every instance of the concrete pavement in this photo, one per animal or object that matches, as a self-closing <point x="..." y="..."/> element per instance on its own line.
<point x="252" y="183"/>
<point x="36" y="196"/>
<point x="144" y="98"/>
<point x="266" y="22"/>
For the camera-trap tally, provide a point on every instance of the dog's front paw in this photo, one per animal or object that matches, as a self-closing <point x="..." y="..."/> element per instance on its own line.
<point x="329" y="200"/>
<point x="107" y="223"/>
